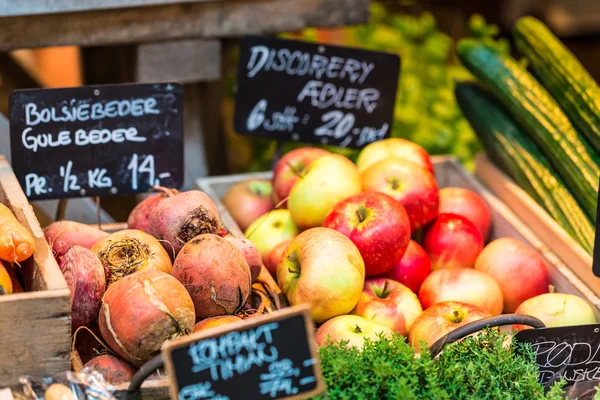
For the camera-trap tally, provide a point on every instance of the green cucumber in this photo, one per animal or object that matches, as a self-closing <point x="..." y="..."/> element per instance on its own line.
<point x="515" y="152"/>
<point x="562" y="75"/>
<point x="540" y="116"/>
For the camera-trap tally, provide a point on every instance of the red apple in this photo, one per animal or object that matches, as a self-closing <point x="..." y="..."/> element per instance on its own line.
<point x="393" y="147"/>
<point x="466" y="285"/>
<point x="248" y="200"/>
<point x="377" y="224"/>
<point x="413" y="268"/>
<point x="452" y="241"/>
<point x="459" y="201"/>
<point x="507" y="260"/>
<point x="414" y="187"/>
<point x="274" y="257"/>
<point x="441" y="319"/>
<point x="352" y="329"/>
<point x="290" y="168"/>
<point x="390" y="303"/>
<point x="557" y="309"/>
<point x="322" y="268"/>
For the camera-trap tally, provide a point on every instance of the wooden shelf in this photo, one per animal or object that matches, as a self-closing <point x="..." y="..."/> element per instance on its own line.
<point x="200" y="19"/>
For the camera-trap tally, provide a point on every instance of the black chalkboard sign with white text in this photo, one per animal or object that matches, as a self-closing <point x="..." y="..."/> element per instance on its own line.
<point x="297" y="91"/>
<point x="571" y="353"/>
<point x="269" y="357"/>
<point x="97" y="140"/>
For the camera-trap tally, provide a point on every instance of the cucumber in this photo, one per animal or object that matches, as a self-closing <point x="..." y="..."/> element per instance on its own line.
<point x="515" y="152"/>
<point x="540" y="116"/>
<point x="562" y="75"/>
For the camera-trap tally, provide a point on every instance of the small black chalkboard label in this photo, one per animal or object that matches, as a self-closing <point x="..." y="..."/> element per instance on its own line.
<point x="299" y="91"/>
<point x="269" y="357"/>
<point x="97" y="140"/>
<point x="570" y="352"/>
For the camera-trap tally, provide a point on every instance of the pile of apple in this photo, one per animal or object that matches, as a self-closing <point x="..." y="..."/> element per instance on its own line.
<point x="376" y="248"/>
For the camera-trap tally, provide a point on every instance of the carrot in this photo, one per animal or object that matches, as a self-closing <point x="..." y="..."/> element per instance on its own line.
<point x="14" y="278"/>
<point x="5" y="282"/>
<point x="16" y="242"/>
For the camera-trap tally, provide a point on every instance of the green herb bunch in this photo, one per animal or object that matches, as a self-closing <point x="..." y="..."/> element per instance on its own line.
<point x="480" y="367"/>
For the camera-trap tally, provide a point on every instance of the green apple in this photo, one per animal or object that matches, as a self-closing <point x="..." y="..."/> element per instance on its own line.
<point x="557" y="309"/>
<point x="270" y="229"/>
<point x="327" y="180"/>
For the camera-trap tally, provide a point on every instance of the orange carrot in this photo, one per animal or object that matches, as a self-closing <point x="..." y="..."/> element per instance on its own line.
<point x="16" y="242"/>
<point x="5" y="282"/>
<point x="14" y="277"/>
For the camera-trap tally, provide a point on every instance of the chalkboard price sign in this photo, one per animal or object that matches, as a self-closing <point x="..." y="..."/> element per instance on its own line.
<point x="270" y="357"/>
<point x="570" y="352"/>
<point x="299" y="91"/>
<point x="97" y="140"/>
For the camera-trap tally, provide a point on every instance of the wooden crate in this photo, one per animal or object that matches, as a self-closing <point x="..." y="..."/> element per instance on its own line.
<point x="35" y="333"/>
<point x="551" y="234"/>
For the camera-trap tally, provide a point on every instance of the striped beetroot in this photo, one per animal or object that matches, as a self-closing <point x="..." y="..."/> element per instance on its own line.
<point x="61" y="235"/>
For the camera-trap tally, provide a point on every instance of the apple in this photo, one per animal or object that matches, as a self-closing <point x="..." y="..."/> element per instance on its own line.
<point x="507" y="260"/>
<point x="377" y="224"/>
<point x="557" y="309"/>
<point x="393" y="147"/>
<point x="212" y="322"/>
<point x="275" y="255"/>
<point x="325" y="181"/>
<point x="248" y="200"/>
<point x="452" y="241"/>
<point x="465" y="202"/>
<point x="414" y="187"/>
<point x="290" y="168"/>
<point x="441" y="319"/>
<point x="271" y="229"/>
<point x="413" y="268"/>
<point x="323" y="268"/>
<point x="466" y="285"/>
<point x="389" y="303"/>
<point x="352" y="329"/>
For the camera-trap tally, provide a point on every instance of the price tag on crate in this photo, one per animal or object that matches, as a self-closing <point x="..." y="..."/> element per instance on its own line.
<point x="97" y="140"/>
<point x="297" y="91"/>
<point x="270" y="357"/>
<point x="571" y="353"/>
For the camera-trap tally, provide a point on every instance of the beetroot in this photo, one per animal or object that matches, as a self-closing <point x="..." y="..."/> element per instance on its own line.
<point x="140" y="215"/>
<point x="61" y="235"/>
<point x="178" y="219"/>
<point x="250" y="253"/>
<point x="113" y="369"/>
<point x="215" y="274"/>
<point x="143" y="310"/>
<point x="125" y="252"/>
<point x="85" y="277"/>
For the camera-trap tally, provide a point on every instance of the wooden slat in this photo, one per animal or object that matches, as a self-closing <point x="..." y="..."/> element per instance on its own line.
<point x="185" y="61"/>
<point x="31" y="7"/>
<point x="204" y="19"/>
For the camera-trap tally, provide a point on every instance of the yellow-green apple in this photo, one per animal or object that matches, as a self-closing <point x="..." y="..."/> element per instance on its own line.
<point x="248" y="200"/>
<point x="413" y="268"/>
<point x="466" y="285"/>
<point x="452" y="241"/>
<point x="557" y="309"/>
<point x="271" y="229"/>
<point x="322" y="268"/>
<point x="390" y="303"/>
<point x="351" y="329"/>
<point x="326" y="181"/>
<point x="212" y="322"/>
<point x="414" y="187"/>
<point x="465" y="202"/>
<point x="377" y="224"/>
<point x="507" y="258"/>
<point x="274" y="257"/>
<point x="290" y="168"/>
<point x="393" y="147"/>
<point x="441" y="319"/>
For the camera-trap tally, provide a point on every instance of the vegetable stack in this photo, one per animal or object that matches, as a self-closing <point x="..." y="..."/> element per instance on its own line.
<point x="543" y="133"/>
